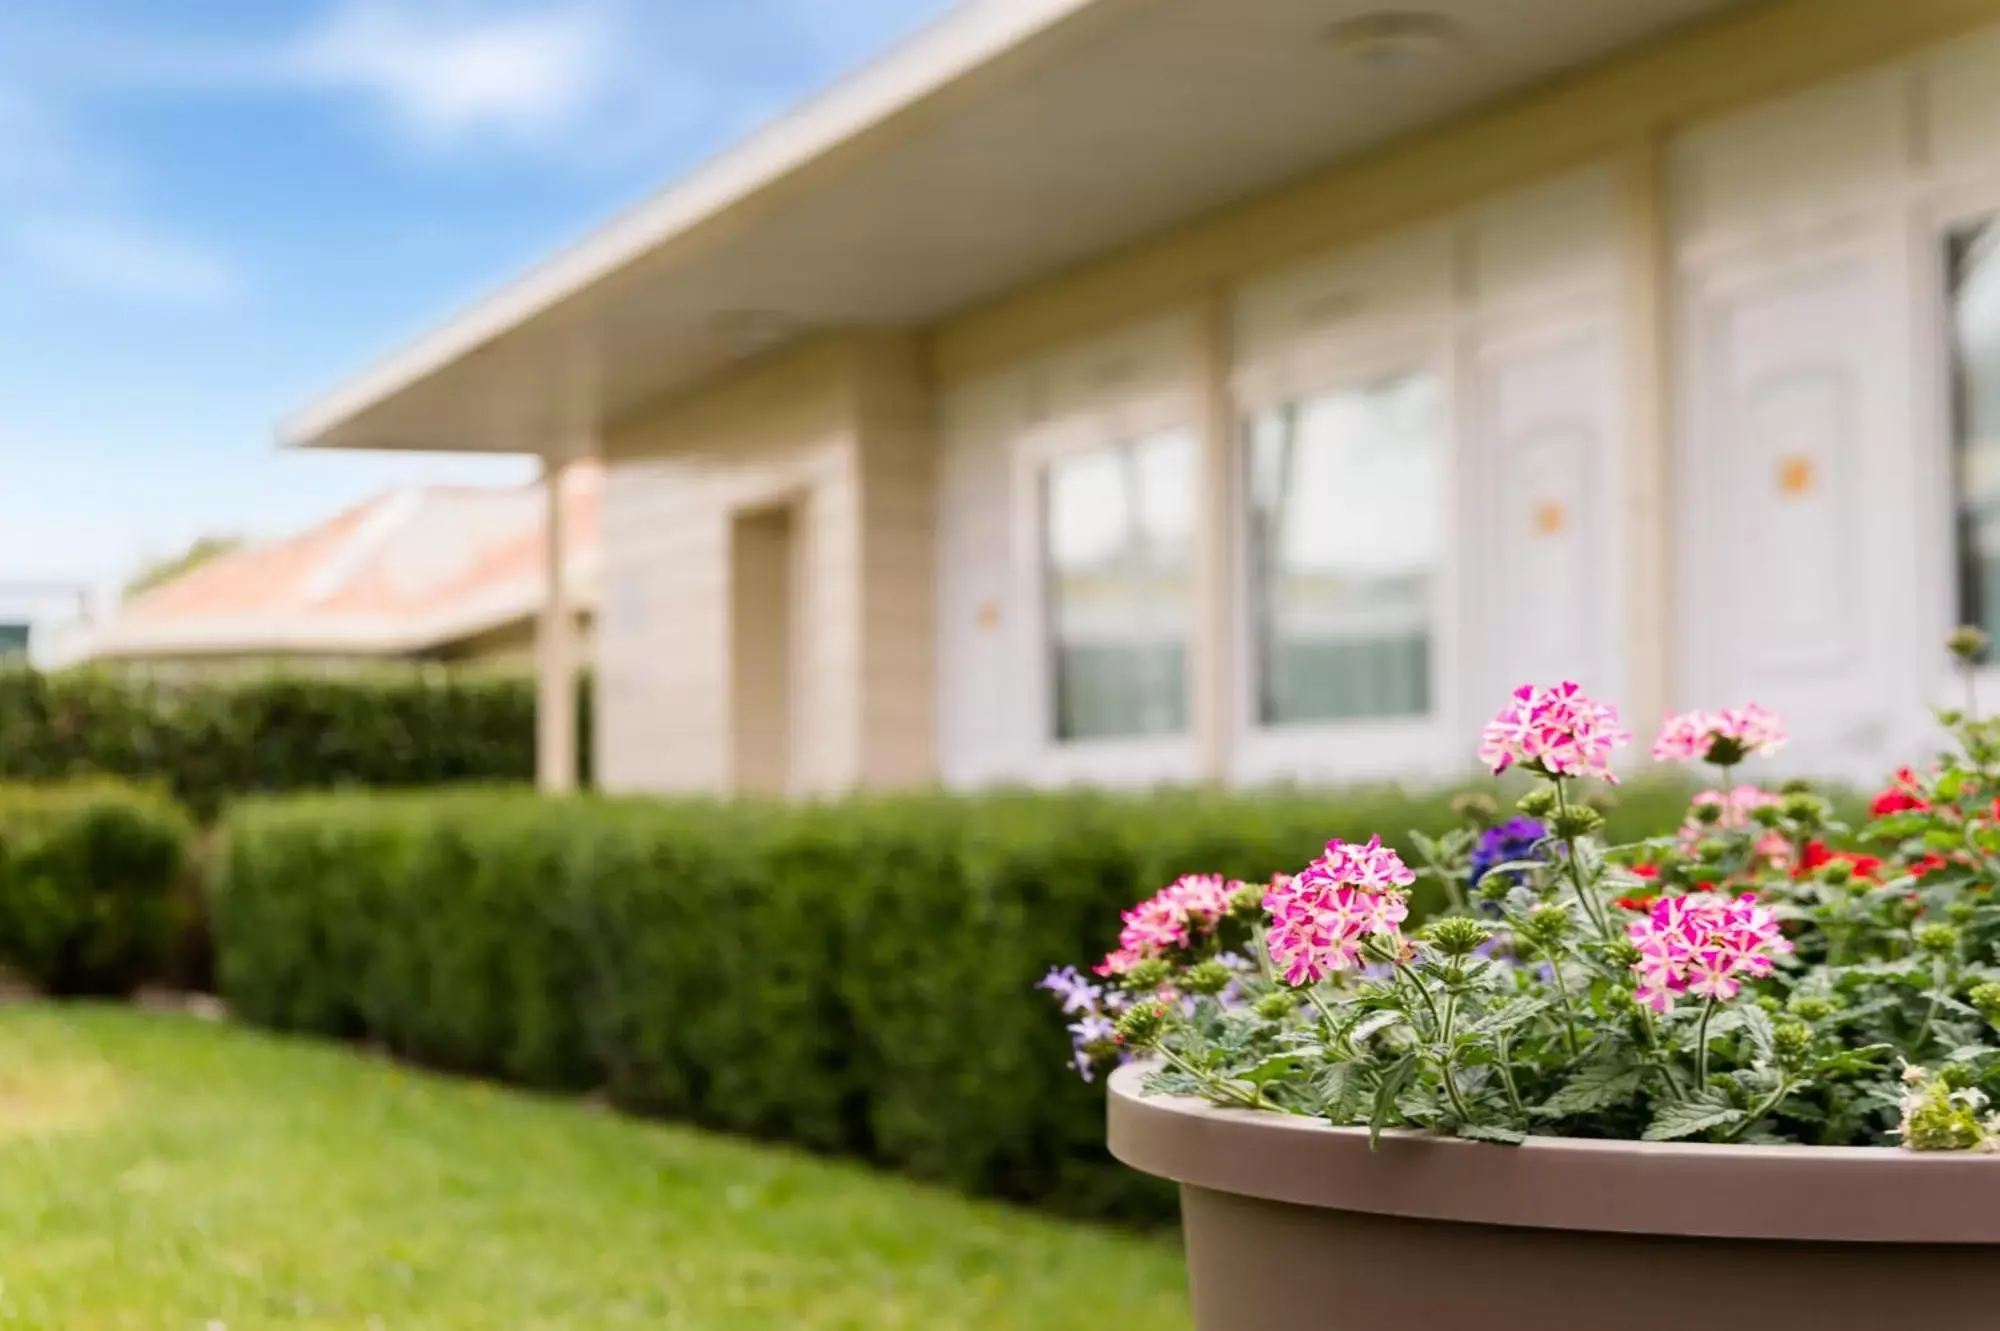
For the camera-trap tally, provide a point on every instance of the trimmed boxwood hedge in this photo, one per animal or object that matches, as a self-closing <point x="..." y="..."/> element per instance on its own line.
<point x="853" y="976"/>
<point x="92" y="880"/>
<point x="210" y="738"/>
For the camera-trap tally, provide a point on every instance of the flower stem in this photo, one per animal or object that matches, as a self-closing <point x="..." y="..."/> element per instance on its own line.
<point x="1447" y="1057"/>
<point x="1562" y="999"/>
<point x="1653" y="1043"/>
<point x="1701" y="1046"/>
<point x="1507" y="1077"/>
<point x="1251" y="1099"/>
<point x="1770" y="1102"/>
<point x="1576" y="870"/>
<point x="1938" y="970"/>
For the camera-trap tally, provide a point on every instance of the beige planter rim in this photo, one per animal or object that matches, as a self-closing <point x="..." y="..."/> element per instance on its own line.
<point x="1815" y="1193"/>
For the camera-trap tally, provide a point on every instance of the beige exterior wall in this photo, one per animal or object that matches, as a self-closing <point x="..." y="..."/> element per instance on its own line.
<point x="835" y="430"/>
<point x="845" y="427"/>
<point x="1606" y="110"/>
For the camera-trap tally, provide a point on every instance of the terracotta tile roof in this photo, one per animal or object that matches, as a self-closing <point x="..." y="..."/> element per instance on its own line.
<point x="406" y="570"/>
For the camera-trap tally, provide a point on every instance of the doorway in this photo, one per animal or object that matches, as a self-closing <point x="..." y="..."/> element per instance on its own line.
<point x="763" y="580"/>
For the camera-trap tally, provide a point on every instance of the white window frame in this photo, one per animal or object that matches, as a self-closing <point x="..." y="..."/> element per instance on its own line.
<point x="1361" y="748"/>
<point x="1123" y="419"/>
<point x="1935" y="213"/>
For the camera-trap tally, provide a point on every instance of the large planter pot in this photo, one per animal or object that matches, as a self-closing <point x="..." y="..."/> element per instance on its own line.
<point x="1294" y="1225"/>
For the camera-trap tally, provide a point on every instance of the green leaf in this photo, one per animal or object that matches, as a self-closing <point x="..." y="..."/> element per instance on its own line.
<point x="1509" y="1016"/>
<point x="1372" y="1024"/>
<point x="1491" y="1132"/>
<point x="1686" y="1118"/>
<point x="1336" y="1090"/>
<point x="1597" y="1087"/>
<point x="1278" y="1065"/>
<point x="1757" y="1025"/>
<point x="1170" y="1081"/>
<point x="1394" y="1079"/>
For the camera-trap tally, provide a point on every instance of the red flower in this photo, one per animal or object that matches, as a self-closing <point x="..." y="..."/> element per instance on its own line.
<point x="1901" y="797"/>
<point x="1645" y="871"/>
<point x="1639" y="901"/>
<point x="1928" y="864"/>
<point x="1818" y="855"/>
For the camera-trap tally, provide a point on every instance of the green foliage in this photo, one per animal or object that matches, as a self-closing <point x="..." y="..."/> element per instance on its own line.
<point x="855" y="976"/>
<point x="91" y="879"/>
<point x="211" y="739"/>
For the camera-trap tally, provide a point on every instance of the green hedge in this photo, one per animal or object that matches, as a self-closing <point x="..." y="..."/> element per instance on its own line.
<point x="91" y="886"/>
<point x="856" y="977"/>
<point x="210" y="739"/>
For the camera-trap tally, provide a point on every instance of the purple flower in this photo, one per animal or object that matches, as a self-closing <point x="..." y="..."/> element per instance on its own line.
<point x="1077" y="993"/>
<point x="1516" y="839"/>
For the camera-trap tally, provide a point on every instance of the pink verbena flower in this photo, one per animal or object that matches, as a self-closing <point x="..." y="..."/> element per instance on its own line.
<point x="1170" y="920"/>
<point x="1703" y="944"/>
<point x="1736" y="806"/>
<point x="1558" y="731"/>
<point x="1726" y="737"/>
<point x="1321" y="917"/>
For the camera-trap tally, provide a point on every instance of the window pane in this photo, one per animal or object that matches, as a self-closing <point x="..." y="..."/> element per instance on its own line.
<point x="1344" y="503"/>
<point x="1120" y="527"/>
<point x="1974" y="257"/>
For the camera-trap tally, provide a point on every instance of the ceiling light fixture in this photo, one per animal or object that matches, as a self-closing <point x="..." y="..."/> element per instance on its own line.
<point x="1392" y="40"/>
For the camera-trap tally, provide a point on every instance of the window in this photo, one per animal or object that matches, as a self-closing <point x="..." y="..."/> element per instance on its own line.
<point x="1118" y="533"/>
<point x="1974" y="273"/>
<point x="1343" y="509"/>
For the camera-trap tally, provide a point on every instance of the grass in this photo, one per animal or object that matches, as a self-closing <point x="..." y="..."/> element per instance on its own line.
<point x="157" y="1172"/>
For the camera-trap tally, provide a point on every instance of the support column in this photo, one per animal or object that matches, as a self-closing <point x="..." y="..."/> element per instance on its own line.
<point x="1212" y="662"/>
<point x="555" y="649"/>
<point x="1649" y="424"/>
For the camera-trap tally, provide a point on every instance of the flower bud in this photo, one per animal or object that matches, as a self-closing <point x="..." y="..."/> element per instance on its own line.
<point x="1547" y="925"/>
<point x="1836" y="872"/>
<point x="1708" y="812"/>
<point x="1936" y="940"/>
<point x="1276" y="1007"/>
<point x="1796" y="785"/>
<point x="1148" y="974"/>
<point x="1210" y="977"/>
<point x="1809" y="1007"/>
<point x="1806" y="810"/>
<point x="1247" y="903"/>
<point x="1986" y="997"/>
<point x="1961" y="911"/>
<point x="1967" y="643"/>
<point x="1791" y="1041"/>
<point x="1766" y="815"/>
<point x="1141" y="1025"/>
<point x="1538" y="803"/>
<point x="1575" y="821"/>
<point x="1959" y="1076"/>
<point x="1456" y="935"/>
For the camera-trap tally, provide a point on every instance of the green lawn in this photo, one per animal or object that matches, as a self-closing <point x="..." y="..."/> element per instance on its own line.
<point x="159" y="1173"/>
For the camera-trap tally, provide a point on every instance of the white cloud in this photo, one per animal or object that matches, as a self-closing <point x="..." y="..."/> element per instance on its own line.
<point x="447" y="73"/>
<point x="117" y="259"/>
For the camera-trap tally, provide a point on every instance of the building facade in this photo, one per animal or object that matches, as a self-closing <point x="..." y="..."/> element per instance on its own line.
<point x="1672" y="365"/>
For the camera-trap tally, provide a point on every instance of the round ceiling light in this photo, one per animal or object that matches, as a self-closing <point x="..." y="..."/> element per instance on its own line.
<point x="1391" y="40"/>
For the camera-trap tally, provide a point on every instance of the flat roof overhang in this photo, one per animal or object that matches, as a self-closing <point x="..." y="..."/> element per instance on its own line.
<point x="1008" y="141"/>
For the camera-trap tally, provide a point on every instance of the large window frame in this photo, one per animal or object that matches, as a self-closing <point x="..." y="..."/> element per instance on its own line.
<point x="1936" y="215"/>
<point x="1126" y="419"/>
<point x="1362" y="747"/>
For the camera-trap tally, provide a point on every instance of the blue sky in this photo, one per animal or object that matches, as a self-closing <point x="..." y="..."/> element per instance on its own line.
<point x="211" y="210"/>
